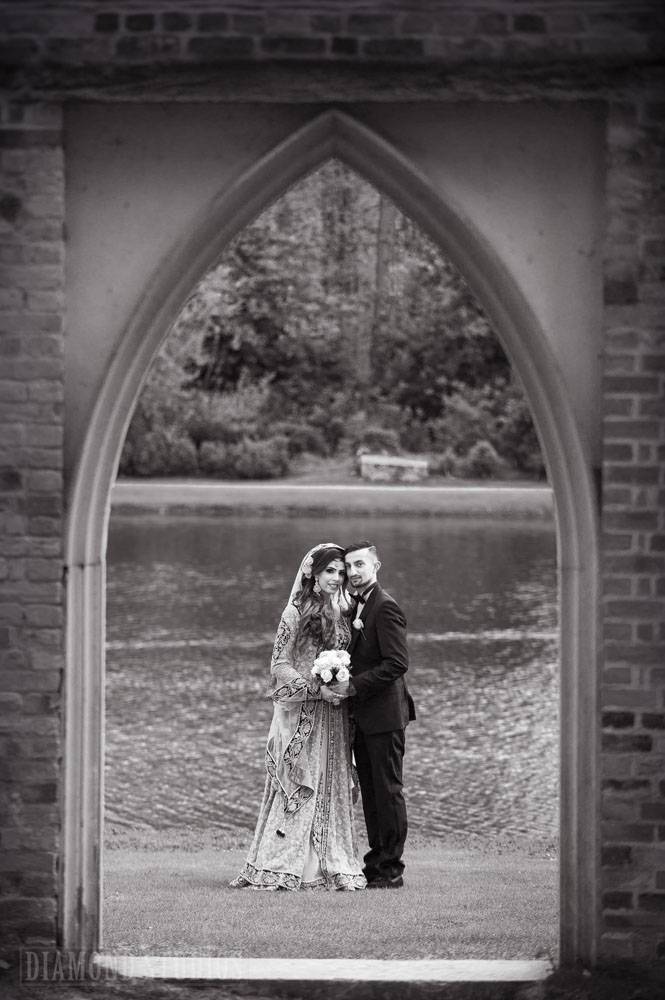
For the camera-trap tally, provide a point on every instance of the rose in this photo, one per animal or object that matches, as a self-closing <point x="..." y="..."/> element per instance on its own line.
<point x="358" y="624"/>
<point x="330" y="664"/>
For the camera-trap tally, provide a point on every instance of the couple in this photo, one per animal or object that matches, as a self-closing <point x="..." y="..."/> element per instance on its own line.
<point x="304" y="835"/>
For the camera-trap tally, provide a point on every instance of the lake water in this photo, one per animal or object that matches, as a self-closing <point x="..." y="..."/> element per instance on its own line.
<point x="193" y="603"/>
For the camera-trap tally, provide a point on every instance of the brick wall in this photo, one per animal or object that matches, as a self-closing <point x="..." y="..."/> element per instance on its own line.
<point x="31" y="564"/>
<point x="603" y="48"/>
<point x="633" y="679"/>
<point x="133" y="31"/>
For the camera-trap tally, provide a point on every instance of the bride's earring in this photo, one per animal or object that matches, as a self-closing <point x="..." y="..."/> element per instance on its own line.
<point x="316" y="588"/>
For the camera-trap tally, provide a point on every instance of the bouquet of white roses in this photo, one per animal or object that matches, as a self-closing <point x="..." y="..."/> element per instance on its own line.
<point x="332" y="664"/>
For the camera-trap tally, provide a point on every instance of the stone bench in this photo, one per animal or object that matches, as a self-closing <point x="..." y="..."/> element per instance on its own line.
<point x="393" y="469"/>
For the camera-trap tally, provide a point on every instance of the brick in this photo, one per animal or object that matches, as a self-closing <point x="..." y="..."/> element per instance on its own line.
<point x="44" y="569"/>
<point x="653" y="363"/>
<point x="627" y="832"/>
<point x="30" y="680"/>
<point x="143" y="48"/>
<point x="213" y="22"/>
<point x="10" y="479"/>
<point x="653" y="721"/>
<point x="628" y="785"/>
<point x="618" y="543"/>
<point x="632" y="520"/>
<point x="43" y="615"/>
<point x="653" y="810"/>
<point x="14" y="910"/>
<point x="417" y="24"/>
<point x="37" y="862"/>
<point x="344" y="46"/>
<point x="107" y="22"/>
<point x="617" y="900"/>
<point x="79" y="51"/>
<point x="632" y="429"/>
<point x="617" y="675"/>
<point x="613" y="452"/>
<point x="618" y="720"/>
<point x="634" y="563"/>
<point x="652" y="408"/>
<point x="287" y="23"/>
<point x="630" y="384"/>
<point x="633" y="743"/>
<point x="626" y="698"/>
<point x="141" y="22"/>
<point x="634" y="609"/>
<point x="615" y="808"/>
<point x="529" y="23"/>
<point x="616" y="856"/>
<point x="371" y="24"/>
<point x="394" y="48"/>
<point x="637" y="475"/>
<point x="175" y="20"/>
<point x="618" y="406"/>
<point x="620" y="290"/>
<point x="292" y="45"/>
<point x="652" y="901"/>
<point x="17" y="51"/>
<point x="492" y="23"/>
<point x="218" y="47"/>
<point x="616" y="630"/>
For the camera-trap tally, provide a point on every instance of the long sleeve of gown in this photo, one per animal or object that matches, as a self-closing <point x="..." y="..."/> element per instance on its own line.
<point x="289" y="686"/>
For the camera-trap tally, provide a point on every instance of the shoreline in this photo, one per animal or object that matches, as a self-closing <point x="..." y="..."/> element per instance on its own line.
<point x="525" y="501"/>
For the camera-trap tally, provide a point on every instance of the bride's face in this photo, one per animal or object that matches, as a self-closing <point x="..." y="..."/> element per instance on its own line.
<point x="331" y="578"/>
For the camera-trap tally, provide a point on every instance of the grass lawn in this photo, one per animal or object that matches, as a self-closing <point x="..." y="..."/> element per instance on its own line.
<point x="456" y="903"/>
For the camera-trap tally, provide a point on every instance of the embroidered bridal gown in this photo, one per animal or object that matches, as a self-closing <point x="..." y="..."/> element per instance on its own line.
<point x="304" y="835"/>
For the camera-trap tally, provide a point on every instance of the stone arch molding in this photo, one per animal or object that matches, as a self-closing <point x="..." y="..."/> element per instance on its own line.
<point x="331" y="134"/>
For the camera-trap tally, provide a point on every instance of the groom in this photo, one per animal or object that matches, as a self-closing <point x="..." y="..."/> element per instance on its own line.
<point x="382" y="707"/>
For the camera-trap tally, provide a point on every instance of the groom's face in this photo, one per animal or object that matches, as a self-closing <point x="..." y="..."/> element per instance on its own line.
<point x="361" y="567"/>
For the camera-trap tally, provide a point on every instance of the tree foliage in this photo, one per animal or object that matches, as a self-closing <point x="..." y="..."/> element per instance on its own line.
<point x="332" y="323"/>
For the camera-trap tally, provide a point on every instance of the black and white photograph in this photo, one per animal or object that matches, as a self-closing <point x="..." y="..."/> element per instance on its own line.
<point x="332" y="499"/>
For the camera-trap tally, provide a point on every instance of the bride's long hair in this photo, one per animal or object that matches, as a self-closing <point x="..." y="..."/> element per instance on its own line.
<point x="317" y="621"/>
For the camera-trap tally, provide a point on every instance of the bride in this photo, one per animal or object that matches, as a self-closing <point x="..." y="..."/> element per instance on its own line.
<point x="304" y="835"/>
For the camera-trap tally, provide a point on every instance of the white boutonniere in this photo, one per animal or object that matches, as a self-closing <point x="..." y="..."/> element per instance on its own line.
<point x="359" y="625"/>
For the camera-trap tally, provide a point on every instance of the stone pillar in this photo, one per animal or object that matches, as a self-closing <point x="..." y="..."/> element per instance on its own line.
<point x="633" y="675"/>
<point x="31" y="502"/>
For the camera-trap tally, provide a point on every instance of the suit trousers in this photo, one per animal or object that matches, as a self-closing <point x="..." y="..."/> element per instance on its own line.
<point x="379" y="759"/>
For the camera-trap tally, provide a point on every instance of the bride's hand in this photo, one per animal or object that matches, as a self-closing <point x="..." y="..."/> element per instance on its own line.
<point x="328" y="696"/>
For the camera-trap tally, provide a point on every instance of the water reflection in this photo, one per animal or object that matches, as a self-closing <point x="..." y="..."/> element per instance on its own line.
<point x="192" y="607"/>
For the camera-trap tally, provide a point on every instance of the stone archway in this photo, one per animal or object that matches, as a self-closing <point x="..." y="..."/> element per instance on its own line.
<point x="331" y="134"/>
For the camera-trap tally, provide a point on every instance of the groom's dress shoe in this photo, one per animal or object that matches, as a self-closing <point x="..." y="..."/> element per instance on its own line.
<point x="386" y="883"/>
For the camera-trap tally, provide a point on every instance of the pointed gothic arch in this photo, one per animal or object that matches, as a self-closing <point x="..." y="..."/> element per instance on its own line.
<point x="331" y="134"/>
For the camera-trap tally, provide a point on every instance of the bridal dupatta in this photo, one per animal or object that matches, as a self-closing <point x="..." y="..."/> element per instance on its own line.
<point x="304" y="835"/>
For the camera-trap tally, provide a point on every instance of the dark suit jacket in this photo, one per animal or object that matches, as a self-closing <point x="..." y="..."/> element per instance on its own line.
<point x="379" y="659"/>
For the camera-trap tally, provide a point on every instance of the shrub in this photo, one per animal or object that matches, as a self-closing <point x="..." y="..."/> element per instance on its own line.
<point x="214" y="460"/>
<point x="481" y="462"/>
<point x="268" y="459"/>
<point x="445" y="464"/>
<point x="376" y="439"/>
<point x="415" y="436"/>
<point x="301" y="438"/>
<point x="163" y="453"/>
<point x="200" y="429"/>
